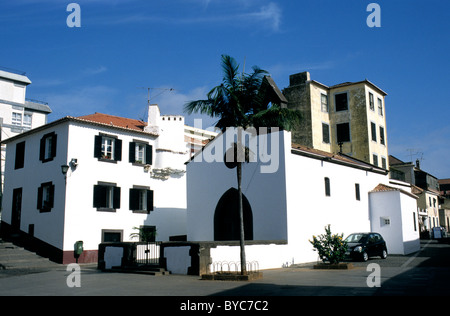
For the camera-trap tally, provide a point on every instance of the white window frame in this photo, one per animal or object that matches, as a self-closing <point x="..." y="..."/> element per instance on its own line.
<point x="140" y="153"/>
<point x="108" y="148"/>
<point x="27" y="120"/>
<point x="16" y="119"/>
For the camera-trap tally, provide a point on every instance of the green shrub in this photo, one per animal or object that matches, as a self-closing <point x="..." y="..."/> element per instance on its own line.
<point x="331" y="247"/>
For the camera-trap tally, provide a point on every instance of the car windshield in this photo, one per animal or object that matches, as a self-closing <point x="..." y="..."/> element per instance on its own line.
<point x="356" y="238"/>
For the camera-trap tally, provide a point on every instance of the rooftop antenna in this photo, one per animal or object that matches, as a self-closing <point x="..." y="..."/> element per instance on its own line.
<point x="415" y="152"/>
<point x="163" y="90"/>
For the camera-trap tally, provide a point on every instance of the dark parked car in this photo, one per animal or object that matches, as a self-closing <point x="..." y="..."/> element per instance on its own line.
<point x="361" y="246"/>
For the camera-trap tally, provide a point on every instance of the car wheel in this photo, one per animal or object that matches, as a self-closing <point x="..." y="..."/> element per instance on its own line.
<point x="365" y="256"/>
<point x="384" y="254"/>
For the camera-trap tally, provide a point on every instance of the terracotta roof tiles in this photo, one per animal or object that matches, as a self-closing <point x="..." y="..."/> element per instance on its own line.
<point x="115" y="121"/>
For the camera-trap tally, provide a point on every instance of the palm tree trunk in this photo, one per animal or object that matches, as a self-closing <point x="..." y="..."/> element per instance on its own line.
<point x="240" y="158"/>
<point x="241" y="220"/>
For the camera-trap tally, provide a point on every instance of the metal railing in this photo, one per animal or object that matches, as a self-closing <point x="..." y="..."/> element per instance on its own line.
<point x="147" y="253"/>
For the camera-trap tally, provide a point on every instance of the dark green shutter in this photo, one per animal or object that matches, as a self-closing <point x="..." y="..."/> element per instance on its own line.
<point x="132" y="152"/>
<point x="54" y="138"/>
<point x="42" y="149"/>
<point x="149" y="200"/>
<point x="39" y="198"/>
<point x="118" y="150"/>
<point x="148" y="154"/>
<point x="99" y="196"/>
<point x="52" y="196"/>
<point x="134" y="199"/>
<point x="98" y="147"/>
<point x="20" y="155"/>
<point x="116" y="197"/>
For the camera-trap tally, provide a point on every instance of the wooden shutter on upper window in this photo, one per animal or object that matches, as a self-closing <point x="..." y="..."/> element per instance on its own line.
<point x="39" y="198"/>
<point x="98" y="146"/>
<point x="134" y="199"/>
<point x="132" y="152"/>
<point x="148" y="154"/>
<point x="149" y="200"/>
<point x="54" y="138"/>
<point x="99" y="196"/>
<point x="42" y="149"/>
<point x="117" y="149"/>
<point x="116" y="197"/>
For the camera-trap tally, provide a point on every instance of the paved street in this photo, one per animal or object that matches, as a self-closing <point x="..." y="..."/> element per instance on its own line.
<point x="424" y="273"/>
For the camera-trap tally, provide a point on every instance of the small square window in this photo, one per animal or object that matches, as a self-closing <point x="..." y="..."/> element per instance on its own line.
<point x="341" y="102"/>
<point x="343" y="132"/>
<point x="17" y="119"/>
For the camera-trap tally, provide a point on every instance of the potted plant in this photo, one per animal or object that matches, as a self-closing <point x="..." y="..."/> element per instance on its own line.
<point x="331" y="249"/>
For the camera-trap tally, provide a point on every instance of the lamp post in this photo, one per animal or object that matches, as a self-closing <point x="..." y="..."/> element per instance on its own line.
<point x="64" y="169"/>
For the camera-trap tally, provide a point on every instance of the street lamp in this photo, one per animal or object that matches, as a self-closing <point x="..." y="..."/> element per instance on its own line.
<point x="64" y="169"/>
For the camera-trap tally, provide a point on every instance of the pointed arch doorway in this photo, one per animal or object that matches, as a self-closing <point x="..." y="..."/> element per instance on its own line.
<point x="226" y="217"/>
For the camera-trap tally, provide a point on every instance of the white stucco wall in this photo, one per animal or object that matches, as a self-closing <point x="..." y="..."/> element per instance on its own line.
<point x="400" y="235"/>
<point x="84" y="222"/>
<point x="208" y="181"/>
<point x="48" y="226"/>
<point x="288" y="205"/>
<point x="73" y="216"/>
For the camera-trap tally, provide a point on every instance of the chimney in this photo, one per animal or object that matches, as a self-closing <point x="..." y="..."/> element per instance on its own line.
<point x="417" y="164"/>
<point x="153" y="119"/>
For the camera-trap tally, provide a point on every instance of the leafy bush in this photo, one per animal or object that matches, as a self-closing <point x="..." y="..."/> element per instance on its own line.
<point x="331" y="247"/>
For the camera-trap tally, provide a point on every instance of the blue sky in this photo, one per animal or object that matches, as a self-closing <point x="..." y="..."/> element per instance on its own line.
<point x="124" y="47"/>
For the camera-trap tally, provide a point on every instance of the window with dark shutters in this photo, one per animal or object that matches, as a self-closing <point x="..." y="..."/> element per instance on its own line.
<point x="141" y="200"/>
<point x="47" y="150"/>
<point x="140" y="153"/>
<point x="46" y="197"/>
<point x="106" y="197"/>
<point x="107" y="148"/>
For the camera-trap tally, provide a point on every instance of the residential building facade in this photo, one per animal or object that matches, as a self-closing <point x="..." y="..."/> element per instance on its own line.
<point x="423" y="185"/>
<point x="121" y="174"/>
<point x="17" y="113"/>
<point x="349" y="118"/>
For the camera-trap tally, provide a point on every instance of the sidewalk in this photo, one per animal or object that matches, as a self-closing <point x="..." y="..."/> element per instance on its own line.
<point x="423" y="273"/>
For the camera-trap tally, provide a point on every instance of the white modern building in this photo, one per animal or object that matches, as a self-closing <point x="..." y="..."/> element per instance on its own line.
<point x="290" y="193"/>
<point x="121" y="174"/>
<point x="17" y="114"/>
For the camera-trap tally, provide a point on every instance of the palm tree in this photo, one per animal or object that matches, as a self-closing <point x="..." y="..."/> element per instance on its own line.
<point x="242" y="101"/>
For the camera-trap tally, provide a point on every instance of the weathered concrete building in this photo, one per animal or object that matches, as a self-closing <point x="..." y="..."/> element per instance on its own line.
<point x="348" y="117"/>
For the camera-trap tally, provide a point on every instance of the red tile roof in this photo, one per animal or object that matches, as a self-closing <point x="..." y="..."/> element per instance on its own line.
<point x="115" y="121"/>
<point x="385" y="188"/>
